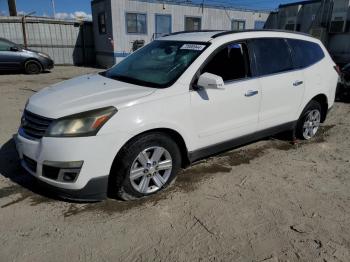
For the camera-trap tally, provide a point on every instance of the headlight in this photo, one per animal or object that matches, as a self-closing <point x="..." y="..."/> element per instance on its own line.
<point x="82" y="124"/>
<point x="44" y="55"/>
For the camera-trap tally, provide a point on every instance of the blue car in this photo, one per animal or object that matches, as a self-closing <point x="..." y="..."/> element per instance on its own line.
<point x="15" y="57"/>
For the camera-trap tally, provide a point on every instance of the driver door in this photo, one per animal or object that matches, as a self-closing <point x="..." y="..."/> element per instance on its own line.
<point x="221" y="115"/>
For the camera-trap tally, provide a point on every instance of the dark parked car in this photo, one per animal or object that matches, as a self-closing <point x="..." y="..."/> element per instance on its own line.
<point x="345" y="76"/>
<point x="15" y="57"/>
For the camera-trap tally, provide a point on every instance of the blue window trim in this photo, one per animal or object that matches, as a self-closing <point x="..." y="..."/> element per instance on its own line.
<point x="192" y="16"/>
<point x="155" y="21"/>
<point x="126" y="23"/>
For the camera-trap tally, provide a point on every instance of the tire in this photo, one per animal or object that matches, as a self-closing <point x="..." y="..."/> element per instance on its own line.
<point x="139" y="171"/>
<point x="32" y="67"/>
<point x="309" y="121"/>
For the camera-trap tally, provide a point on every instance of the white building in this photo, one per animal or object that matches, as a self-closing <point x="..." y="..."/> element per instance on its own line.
<point x="119" y="23"/>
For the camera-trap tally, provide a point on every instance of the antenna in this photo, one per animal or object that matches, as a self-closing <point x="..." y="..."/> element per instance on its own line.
<point x="53" y="8"/>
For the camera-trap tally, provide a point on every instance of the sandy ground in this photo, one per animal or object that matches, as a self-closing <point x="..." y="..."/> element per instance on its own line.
<point x="268" y="201"/>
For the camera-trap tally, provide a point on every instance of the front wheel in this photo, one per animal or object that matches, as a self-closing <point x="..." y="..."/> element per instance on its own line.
<point x="32" y="67"/>
<point x="145" y="166"/>
<point x="310" y="121"/>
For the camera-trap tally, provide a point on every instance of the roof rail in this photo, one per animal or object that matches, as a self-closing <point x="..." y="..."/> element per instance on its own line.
<point x="193" y="31"/>
<point x="259" y="30"/>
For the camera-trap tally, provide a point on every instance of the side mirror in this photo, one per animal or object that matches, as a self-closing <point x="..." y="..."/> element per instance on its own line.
<point x="210" y="81"/>
<point x="14" y="48"/>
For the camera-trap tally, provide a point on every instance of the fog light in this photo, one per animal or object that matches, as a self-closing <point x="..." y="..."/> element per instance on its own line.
<point x="62" y="171"/>
<point x="69" y="176"/>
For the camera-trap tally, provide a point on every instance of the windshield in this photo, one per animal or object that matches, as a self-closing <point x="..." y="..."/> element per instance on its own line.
<point x="159" y="64"/>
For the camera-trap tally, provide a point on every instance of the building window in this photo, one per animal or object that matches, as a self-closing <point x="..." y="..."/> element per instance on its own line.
<point x="193" y="23"/>
<point x="259" y="24"/>
<point x="136" y="23"/>
<point x="290" y="27"/>
<point x="237" y="25"/>
<point x="102" y="23"/>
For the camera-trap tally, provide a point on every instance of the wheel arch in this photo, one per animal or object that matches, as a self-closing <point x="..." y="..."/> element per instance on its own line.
<point x="175" y="135"/>
<point x="323" y="100"/>
<point x="32" y="59"/>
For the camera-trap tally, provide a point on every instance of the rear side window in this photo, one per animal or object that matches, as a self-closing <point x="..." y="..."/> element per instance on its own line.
<point x="272" y="55"/>
<point x="305" y="53"/>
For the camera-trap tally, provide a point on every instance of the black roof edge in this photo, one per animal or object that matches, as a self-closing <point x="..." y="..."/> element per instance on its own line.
<point x="300" y="3"/>
<point x="259" y="30"/>
<point x="192" y="31"/>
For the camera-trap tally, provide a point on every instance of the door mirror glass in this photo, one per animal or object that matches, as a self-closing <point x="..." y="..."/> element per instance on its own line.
<point x="210" y="81"/>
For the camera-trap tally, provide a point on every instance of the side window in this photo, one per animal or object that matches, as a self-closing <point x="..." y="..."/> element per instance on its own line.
<point x="136" y="23"/>
<point x="5" y="46"/>
<point x="305" y="53"/>
<point x="272" y="55"/>
<point x="231" y="62"/>
<point x="193" y="23"/>
<point x="102" y="23"/>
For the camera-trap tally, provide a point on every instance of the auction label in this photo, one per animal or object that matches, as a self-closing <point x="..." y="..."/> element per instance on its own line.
<point x="193" y="47"/>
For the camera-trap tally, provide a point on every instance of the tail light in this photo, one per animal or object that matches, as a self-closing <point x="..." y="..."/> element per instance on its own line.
<point x="337" y="68"/>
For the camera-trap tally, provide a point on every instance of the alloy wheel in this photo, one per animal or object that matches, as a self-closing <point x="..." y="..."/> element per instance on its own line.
<point x="311" y="124"/>
<point x="151" y="170"/>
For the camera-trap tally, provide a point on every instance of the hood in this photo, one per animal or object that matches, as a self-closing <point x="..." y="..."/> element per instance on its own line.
<point x="85" y="93"/>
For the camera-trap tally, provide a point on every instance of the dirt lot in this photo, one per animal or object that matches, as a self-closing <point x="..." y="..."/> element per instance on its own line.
<point x="269" y="201"/>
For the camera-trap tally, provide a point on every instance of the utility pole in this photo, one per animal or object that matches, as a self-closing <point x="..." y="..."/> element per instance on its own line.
<point x="53" y="8"/>
<point x="12" y="7"/>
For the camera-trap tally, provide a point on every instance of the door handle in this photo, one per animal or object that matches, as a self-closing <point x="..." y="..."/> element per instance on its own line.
<point x="251" y="93"/>
<point x="298" y="83"/>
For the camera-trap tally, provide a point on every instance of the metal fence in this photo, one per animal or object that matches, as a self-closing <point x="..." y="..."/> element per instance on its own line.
<point x="67" y="42"/>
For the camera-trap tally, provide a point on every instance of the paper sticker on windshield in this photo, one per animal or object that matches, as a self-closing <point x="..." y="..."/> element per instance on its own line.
<point x="193" y="47"/>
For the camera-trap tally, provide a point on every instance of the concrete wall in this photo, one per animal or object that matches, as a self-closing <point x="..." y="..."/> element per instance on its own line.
<point x="67" y="42"/>
<point x="212" y="18"/>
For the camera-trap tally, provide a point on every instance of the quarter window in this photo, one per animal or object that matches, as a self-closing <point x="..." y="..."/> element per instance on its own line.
<point x="272" y="56"/>
<point x="136" y="23"/>
<point x="102" y="23"/>
<point x="193" y="23"/>
<point x="237" y="25"/>
<point x="305" y="53"/>
<point x="231" y="63"/>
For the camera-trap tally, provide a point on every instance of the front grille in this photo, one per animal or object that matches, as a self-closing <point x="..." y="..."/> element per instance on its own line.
<point x="30" y="163"/>
<point x="34" y="126"/>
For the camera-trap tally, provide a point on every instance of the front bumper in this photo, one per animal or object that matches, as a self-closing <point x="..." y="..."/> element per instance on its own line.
<point x="47" y="63"/>
<point x="97" y="154"/>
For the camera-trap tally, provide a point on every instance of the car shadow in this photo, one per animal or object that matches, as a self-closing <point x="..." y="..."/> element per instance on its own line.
<point x="10" y="168"/>
<point x="19" y="72"/>
<point x="343" y="94"/>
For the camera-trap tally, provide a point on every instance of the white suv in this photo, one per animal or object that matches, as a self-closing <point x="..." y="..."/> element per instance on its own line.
<point x="181" y="98"/>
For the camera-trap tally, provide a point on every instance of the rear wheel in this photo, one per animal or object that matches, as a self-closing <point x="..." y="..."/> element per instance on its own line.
<point x="310" y="121"/>
<point x="32" y="67"/>
<point x="145" y="166"/>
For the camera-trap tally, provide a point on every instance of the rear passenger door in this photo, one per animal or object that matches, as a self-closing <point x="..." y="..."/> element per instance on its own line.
<point x="282" y="86"/>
